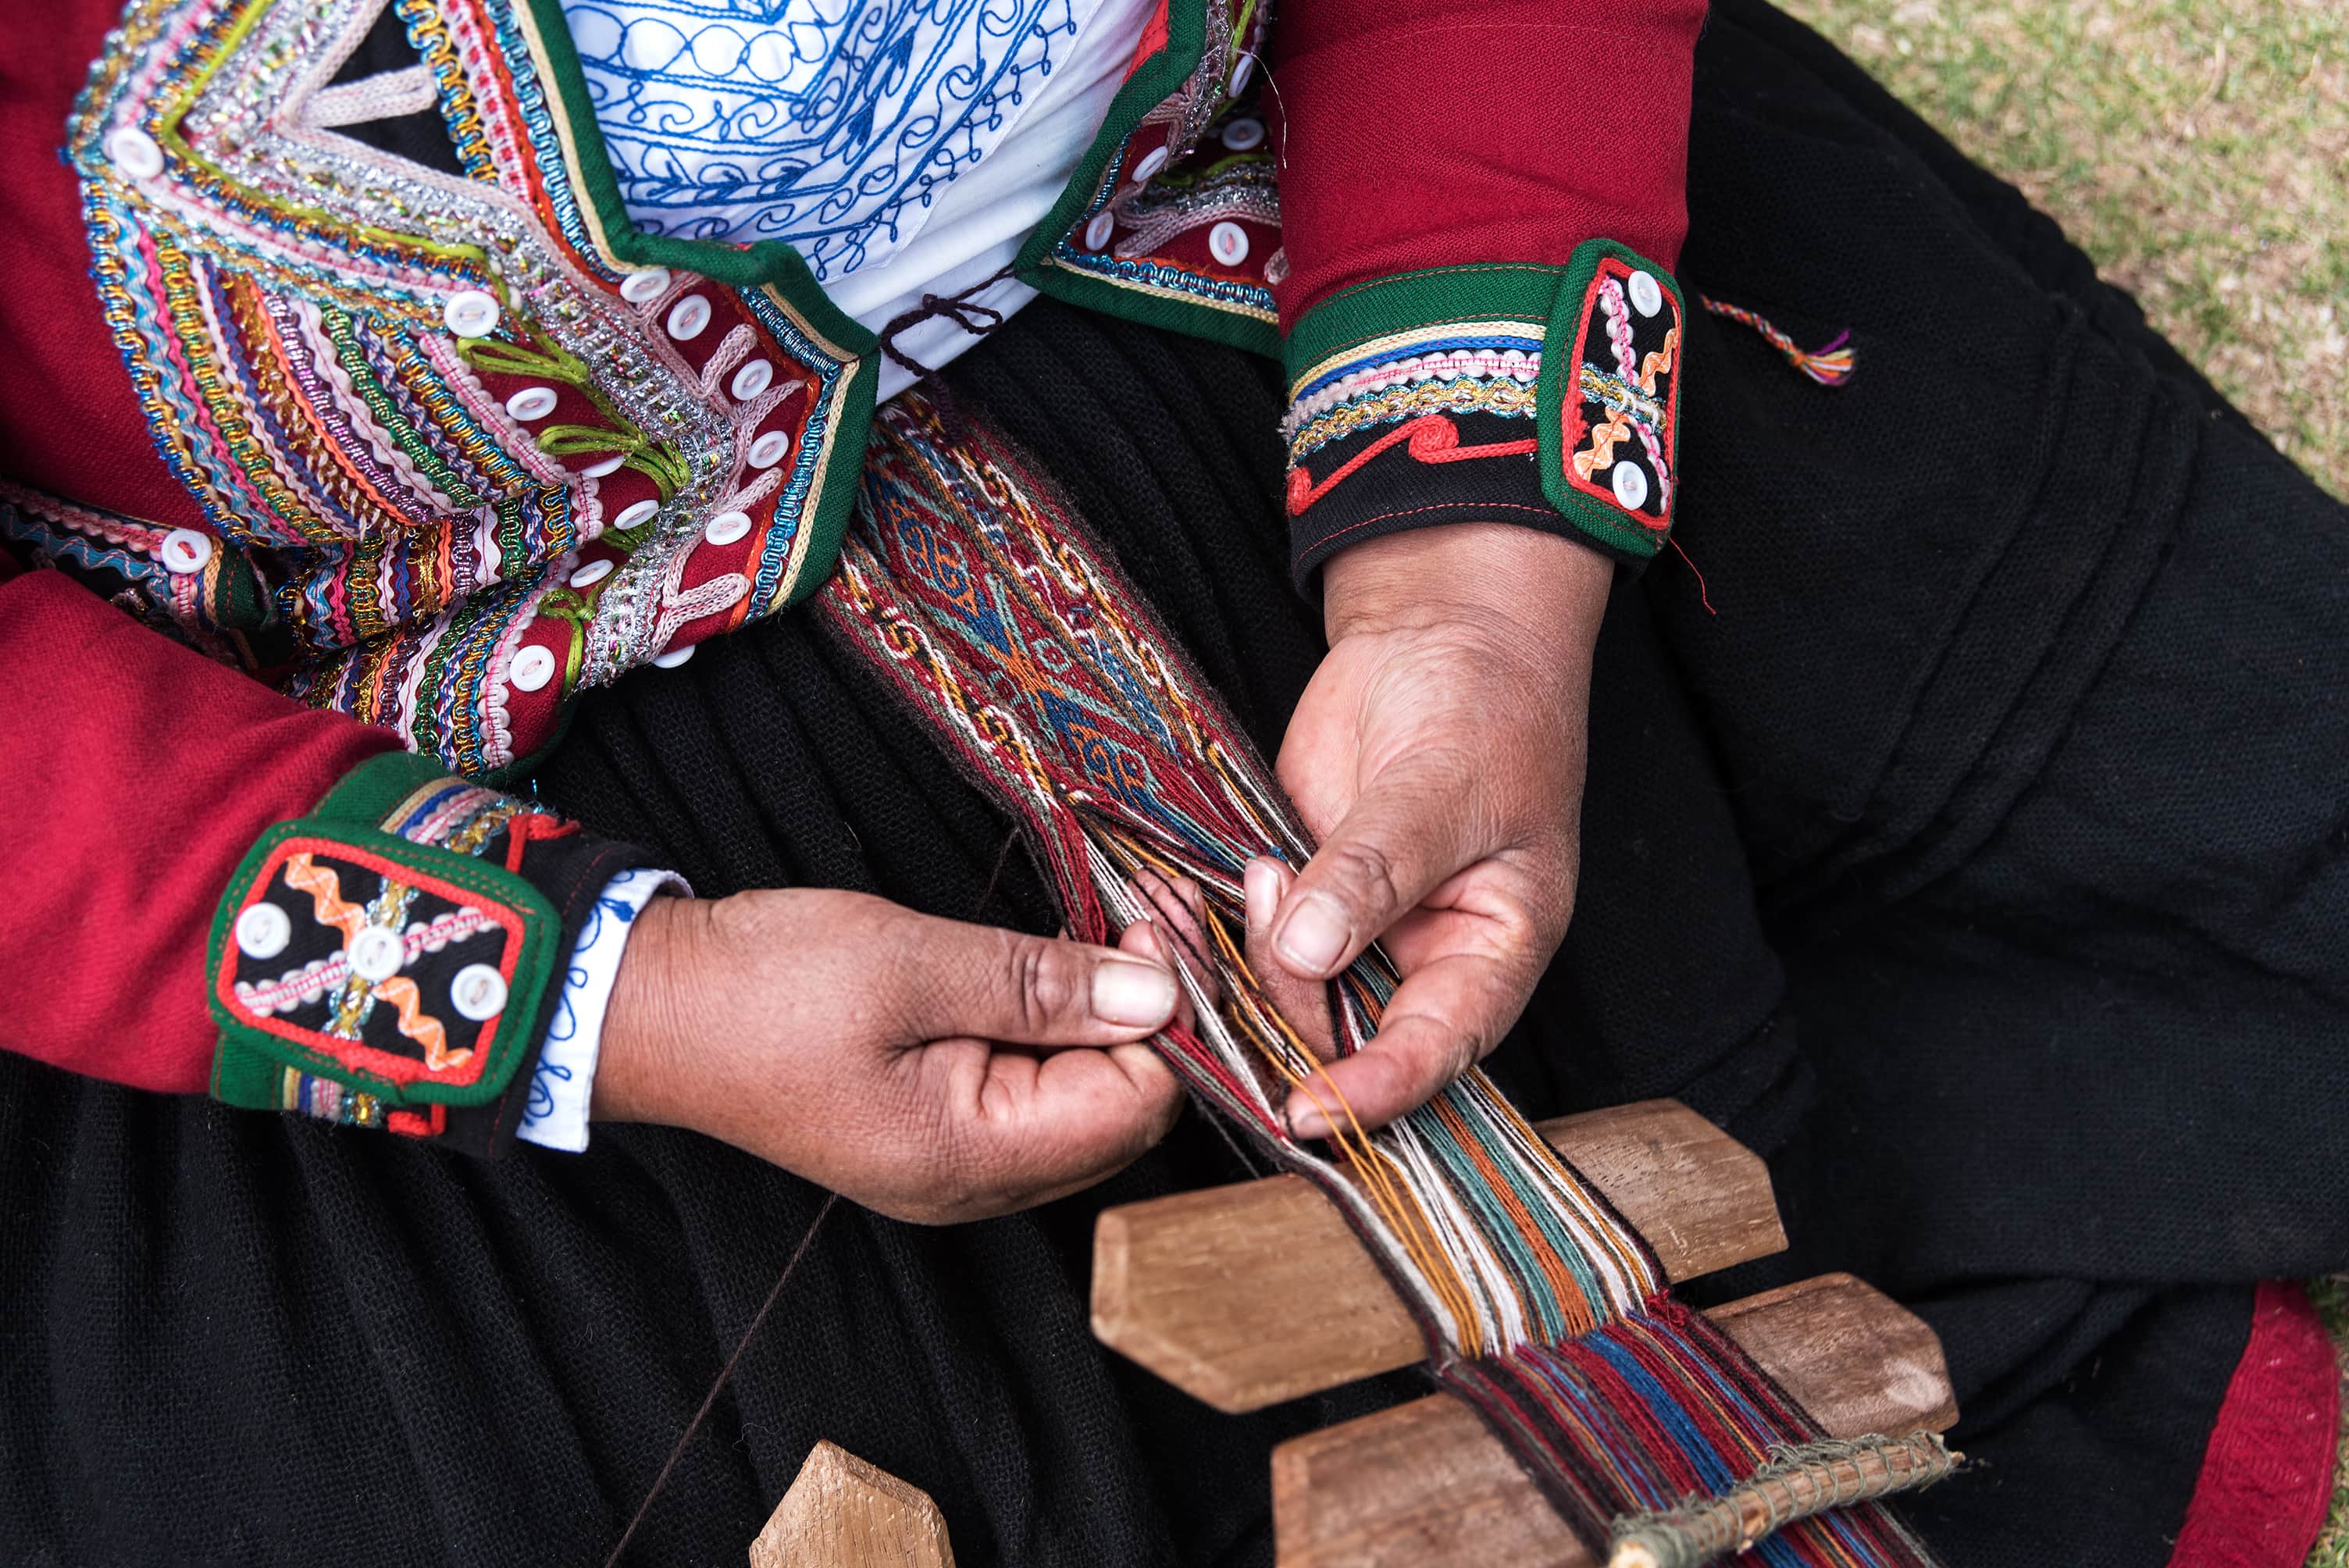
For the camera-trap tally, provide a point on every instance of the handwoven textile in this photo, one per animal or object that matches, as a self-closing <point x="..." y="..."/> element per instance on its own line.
<point x="978" y="594"/>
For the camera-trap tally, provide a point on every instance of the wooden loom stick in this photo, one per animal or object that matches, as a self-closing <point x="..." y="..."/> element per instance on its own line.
<point x="1426" y="1484"/>
<point x="1178" y="1281"/>
<point x="842" y="1512"/>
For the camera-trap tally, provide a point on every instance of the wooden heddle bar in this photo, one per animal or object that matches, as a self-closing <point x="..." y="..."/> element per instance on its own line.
<point x="1179" y="1283"/>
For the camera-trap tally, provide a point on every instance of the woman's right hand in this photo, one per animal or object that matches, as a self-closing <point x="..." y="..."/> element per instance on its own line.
<point x="930" y="1069"/>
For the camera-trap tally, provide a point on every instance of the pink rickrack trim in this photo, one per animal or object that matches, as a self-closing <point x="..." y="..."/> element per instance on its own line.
<point x="1617" y="311"/>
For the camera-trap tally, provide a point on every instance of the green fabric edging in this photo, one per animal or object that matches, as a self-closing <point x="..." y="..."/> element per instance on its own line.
<point x="1560" y="350"/>
<point x="1364" y="313"/>
<point x="1145" y="89"/>
<point x="248" y="1062"/>
<point x="1193" y="318"/>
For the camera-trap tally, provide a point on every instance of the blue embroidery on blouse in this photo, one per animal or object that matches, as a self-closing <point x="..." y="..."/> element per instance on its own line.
<point x="829" y="124"/>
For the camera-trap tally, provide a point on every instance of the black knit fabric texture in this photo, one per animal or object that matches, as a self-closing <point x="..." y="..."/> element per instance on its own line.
<point x="1978" y="856"/>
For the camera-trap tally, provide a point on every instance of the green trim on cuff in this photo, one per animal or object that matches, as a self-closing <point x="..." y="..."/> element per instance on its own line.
<point x="1595" y="509"/>
<point x="1408" y="302"/>
<point x="500" y="920"/>
<point x="1605" y="406"/>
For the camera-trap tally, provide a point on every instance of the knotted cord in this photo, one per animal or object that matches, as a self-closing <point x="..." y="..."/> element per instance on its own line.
<point x="961" y="308"/>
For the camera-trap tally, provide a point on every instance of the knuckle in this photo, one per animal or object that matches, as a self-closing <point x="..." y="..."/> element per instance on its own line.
<point x="1371" y="871"/>
<point x="1049" y="989"/>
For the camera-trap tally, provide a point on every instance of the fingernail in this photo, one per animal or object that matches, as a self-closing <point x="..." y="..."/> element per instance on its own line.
<point x="1262" y="883"/>
<point x="1138" y="995"/>
<point x="1307" y="1121"/>
<point x="1314" y="939"/>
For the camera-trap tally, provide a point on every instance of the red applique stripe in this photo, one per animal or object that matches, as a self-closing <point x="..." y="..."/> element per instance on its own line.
<point x="1430" y="438"/>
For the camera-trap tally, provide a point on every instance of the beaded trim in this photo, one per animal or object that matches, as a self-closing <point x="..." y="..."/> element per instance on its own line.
<point x="290" y="300"/>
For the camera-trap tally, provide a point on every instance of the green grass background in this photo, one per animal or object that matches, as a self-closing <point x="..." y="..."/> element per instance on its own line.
<point x="2198" y="151"/>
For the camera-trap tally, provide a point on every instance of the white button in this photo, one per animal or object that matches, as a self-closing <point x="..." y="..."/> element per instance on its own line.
<point x="687" y="316"/>
<point x="1243" y="133"/>
<point x="185" y="550"/>
<point x="751" y="379"/>
<point x="1241" y="74"/>
<point x="1227" y="242"/>
<point x="532" y="403"/>
<point x="610" y="465"/>
<point x="263" y="931"/>
<point x="1630" y="486"/>
<point x="727" y="527"/>
<point x="470" y="313"/>
<point x="635" y="515"/>
<point x="477" y="992"/>
<point x="532" y="668"/>
<point x="769" y="449"/>
<point x="377" y="953"/>
<point x="644" y="287"/>
<point x="1647" y="295"/>
<point x="1152" y="162"/>
<point x="594" y="571"/>
<point x="135" y="153"/>
<point x="674" y="658"/>
<point x="1099" y="230"/>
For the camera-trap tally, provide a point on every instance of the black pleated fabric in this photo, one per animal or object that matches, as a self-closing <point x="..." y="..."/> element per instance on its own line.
<point x="1979" y="855"/>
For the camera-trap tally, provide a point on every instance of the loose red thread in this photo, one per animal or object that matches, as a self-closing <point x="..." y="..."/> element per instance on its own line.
<point x="1433" y="438"/>
<point x="1704" y="598"/>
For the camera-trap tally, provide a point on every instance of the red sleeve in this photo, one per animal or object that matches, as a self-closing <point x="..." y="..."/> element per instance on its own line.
<point x="138" y="774"/>
<point x="1436" y="133"/>
<point x="1482" y="202"/>
<point x="69" y="418"/>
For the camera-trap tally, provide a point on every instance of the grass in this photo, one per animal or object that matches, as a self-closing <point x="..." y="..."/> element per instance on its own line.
<point x="2197" y="149"/>
<point x="2332" y="1298"/>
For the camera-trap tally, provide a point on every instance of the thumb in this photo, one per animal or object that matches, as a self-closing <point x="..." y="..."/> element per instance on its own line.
<point x="1403" y="837"/>
<point x="957" y="979"/>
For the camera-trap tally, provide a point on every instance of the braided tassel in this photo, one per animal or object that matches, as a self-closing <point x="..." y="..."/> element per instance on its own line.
<point x="1829" y="367"/>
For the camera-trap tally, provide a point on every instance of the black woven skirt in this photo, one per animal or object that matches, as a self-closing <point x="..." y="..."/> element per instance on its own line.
<point x="1975" y="841"/>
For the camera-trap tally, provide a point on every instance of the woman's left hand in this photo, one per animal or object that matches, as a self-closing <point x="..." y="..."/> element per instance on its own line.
<point x="1437" y="755"/>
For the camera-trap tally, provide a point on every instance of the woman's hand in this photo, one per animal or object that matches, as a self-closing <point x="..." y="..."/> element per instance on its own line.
<point x="1438" y="754"/>
<point x="930" y="1069"/>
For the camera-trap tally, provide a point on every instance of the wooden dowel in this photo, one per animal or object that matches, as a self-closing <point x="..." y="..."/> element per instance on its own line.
<point x="1426" y="1484"/>
<point x="1182" y="1284"/>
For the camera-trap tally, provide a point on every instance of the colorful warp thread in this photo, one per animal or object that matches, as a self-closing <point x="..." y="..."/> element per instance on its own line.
<point x="975" y="595"/>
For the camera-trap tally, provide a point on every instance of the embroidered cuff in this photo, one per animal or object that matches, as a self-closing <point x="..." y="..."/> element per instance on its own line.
<point x="1543" y="396"/>
<point x="563" y="1084"/>
<point x="390" y="960"/>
